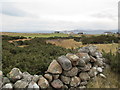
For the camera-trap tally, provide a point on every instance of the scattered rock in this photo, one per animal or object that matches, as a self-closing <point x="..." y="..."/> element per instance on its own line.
<point x="102" y="75"/>
<point x="33" y="86"/>
<point x="99" y="69"/>
<point x="54" y="68"/>
<point x="75" y="81"/>
<point x="65" y="62"/>
<point x="72" y="72"/>
<point x="84" y="76"/>
<point x="8" y="86"/>
<point x="20" y="84"/>
<point x="82" y="87"/>
<point x="43" y="83"/>
<point x="15" y="74"/>
<point x="73" y="58"/>
<point x="65" y="79"/>
<point x="57" y="84"/>
<point x="48" y="77"/>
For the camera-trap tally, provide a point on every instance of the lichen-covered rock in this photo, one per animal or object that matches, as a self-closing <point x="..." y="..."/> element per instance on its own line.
<point x="33" y="86"/>
<point x="15" y="74"/>
<point x="92" y="50"/>
<point x="8" y="86"/>
<point x="43" y="83"/>
<point x="48" y="77"/>
<point x="54" y="68"/>
<point x="21" y="84"/>
<point x="1" y="75"/>
<point x="98" y="54"/>
<point x="84" y="76"/>
<point x="73" y="58"/>
<point x="75" y="81"/>
<point x="65" y="80"/>
<point x="72" y="72"/>
<point x="57" y="84"/>
<point x="65" y="62"/>
<point x="84" y="56"/>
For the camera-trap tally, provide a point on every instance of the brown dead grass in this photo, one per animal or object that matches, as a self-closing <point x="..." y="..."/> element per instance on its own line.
<point x="70" y="43"/>
<point x="11" y="41"/>
<point x="66" y="43"/>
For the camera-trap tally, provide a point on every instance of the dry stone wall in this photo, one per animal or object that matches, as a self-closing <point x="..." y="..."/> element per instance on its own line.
<point x="68" y="72"/>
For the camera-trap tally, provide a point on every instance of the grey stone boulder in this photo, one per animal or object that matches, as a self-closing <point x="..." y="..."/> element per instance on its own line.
<point x="92" y="59"/>
<point x="33" y="86"/>
<point x="73" y="58"/>
<point x="83" y="50"/>
<point x="35" y="78"/>
<point x="87" y="67"/>
<point x="49" y="77"/>
<point x="65" y="80"/>
<point x="98" y="54"/>
<point x="56" y="76"/>
<point x="5" y="80"/>
<point x="84" y="56"/>
<point x="84" y="83"/>
<point x="65" y="62"/>
<point x="99" y="69"/>
<point x="27" y="77"/>
<point x="54" y="68"/>
<point x="72" y="72"/>
<point x="99" y="62"/>
<point x="21" y="84"/>
<point x="57" y="84"/>
<point x="14" y="75"/>
<point x="92" y="50"/>
<point x="75" y="81"/>
<point x="43" y="83"/>
<point x="8" y="86"/>
<point x="82" y="87"/>
<point x="84" y="76"/>
<point x="102" y="75"/>
<point x="81" y="63"/>
<point x="93" y="72"/>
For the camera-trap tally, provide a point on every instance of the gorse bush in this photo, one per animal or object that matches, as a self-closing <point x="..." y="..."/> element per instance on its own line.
<point x="114" y="60"/>
<point x="34" y="58"/>
<point x="102" y="39"/>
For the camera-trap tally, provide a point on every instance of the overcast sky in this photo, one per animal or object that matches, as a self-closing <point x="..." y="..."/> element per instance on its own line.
<point x="36" y="15"/>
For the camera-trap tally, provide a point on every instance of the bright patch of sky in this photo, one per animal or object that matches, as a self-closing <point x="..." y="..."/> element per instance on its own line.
<point x="37" y="15"/>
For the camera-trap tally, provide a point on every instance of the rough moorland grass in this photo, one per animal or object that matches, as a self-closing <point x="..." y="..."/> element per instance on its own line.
<point x="112" y="80"/>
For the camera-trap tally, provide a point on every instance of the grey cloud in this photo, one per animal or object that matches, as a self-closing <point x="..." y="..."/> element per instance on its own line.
<point x="11" y="10"/>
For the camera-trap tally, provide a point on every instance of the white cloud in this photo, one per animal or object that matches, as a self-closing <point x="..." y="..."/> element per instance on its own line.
<point x="59" y="15"/>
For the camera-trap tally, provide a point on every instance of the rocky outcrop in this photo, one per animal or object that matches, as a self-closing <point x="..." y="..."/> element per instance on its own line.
<point x="69" y="71"/>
